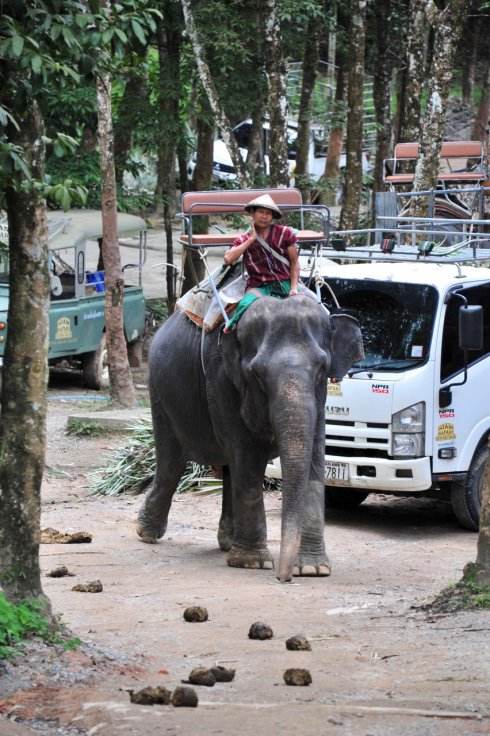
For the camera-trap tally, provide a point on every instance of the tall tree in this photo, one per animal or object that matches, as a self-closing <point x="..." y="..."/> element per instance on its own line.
<point x="277" y="102"/>
<point x="122" y="388"/>
<point x="41" y="42"/>
<point x="310" y="65"/>
<point x="353" y="173"/>
<point x="134" y="98"/>
<point x="169" y="39"/>
<point x="381" y="89"/>
<point x="448" y="24"/>
<point x="414" y="74"/>
<point x="209" y="86"/>
<point x="25" y="370"/>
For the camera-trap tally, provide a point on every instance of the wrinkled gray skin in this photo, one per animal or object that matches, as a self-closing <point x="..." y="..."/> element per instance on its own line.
<point x="262" y="395"/>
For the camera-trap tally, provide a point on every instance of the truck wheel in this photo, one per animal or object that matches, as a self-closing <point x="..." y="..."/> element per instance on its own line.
<point x="343" y="498"/>
<point x="466" y="494"/>
<point x="96" y="367"/>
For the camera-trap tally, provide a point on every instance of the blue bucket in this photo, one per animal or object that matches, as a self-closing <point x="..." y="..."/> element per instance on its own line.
<point x="97" y="279"/>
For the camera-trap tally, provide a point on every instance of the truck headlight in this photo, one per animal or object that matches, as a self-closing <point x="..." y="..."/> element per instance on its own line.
<point x="408" y="431"/>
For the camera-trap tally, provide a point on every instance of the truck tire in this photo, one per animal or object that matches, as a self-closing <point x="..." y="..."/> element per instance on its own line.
<point x="466" y="494"/>
<point x="343" y="498"/>
<point x="95" y="367"/>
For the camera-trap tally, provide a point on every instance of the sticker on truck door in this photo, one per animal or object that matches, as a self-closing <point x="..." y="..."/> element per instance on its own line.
<point x="445" y="432"/>
<point x="63" y="329"/>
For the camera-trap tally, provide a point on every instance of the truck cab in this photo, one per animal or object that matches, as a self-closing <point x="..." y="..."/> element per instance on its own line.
<point x="76" y="315"/>
<point x="414" y="415"/>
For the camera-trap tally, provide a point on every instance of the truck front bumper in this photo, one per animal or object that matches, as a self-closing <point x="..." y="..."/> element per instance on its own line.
<point x="373" y="474"/>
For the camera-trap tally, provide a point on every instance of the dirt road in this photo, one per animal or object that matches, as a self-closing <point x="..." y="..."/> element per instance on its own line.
<point x="379" y="667"/>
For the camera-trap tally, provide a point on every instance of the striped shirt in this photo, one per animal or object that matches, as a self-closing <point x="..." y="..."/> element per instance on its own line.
<point x="262" y="267"/>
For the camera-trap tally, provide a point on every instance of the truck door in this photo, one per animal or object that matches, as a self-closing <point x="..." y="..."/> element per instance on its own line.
<point x="462" y="424"/>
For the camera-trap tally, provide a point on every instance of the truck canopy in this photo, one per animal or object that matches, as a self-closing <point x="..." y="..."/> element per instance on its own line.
<point x="69" y="229"/>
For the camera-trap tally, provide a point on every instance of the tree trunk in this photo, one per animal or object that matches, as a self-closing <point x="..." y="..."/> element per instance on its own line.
<point x="122" y="388"/>
<point x="415" y="71"/>
<point x="278" y="104"/>
<point x="25" y="372"/>
<point x="328" y="194"/>
<point x="472" y="33"/>
<point x="212" y="93"/>
<point x="310" y="62"/>
<point x="381" y="91"/>
<point x="255" y="152"/>
<point x="135" y="93"/>
<point x="482" y="566"/>
<point x="480" y="125"/>
<point x="169" y="36"/>
<point x="193" y="265"/>
<point x="448" y="24"/>
<point x="353" y="174"/>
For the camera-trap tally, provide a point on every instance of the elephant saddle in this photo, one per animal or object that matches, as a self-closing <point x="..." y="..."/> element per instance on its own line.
<point x="200" y="304"/>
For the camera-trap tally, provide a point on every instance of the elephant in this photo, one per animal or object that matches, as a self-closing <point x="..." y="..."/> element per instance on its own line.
<point x="238" y="400"/>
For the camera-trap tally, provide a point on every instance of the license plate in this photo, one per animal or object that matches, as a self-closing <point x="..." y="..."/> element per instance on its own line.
<point x="336" y="471"/>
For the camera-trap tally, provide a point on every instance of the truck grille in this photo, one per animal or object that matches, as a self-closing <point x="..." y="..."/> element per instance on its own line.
<point x="357" y="439"/>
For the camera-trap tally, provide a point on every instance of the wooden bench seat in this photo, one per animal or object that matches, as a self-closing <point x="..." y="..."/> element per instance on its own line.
<point x="463" y="162"/>
<point x="229" y="201"/>
<point x="226" y="239"/>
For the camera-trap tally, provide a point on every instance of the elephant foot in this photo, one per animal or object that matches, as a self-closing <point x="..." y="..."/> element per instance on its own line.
<point x="147" y="536"/>
<point x="252" y="559"/>
<point x="225" y="536"/>
<point x="147" y="533"/>
<point x="311" y="567"/>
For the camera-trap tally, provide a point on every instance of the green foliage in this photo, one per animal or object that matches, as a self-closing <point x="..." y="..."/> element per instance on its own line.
<point x="18" y="622"/>
<point x="86" y="428"/>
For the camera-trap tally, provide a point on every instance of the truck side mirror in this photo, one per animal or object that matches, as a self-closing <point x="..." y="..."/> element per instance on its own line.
<point x="470" y="327"/>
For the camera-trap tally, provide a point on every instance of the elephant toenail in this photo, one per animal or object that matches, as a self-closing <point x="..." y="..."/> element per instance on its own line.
<point x="324" y="570"/>
<point x="308" y="570"/>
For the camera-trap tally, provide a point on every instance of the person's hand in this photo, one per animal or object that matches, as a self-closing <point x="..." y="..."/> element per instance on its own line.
<point x="252" y="234"/>
<point x="293" y="292"/>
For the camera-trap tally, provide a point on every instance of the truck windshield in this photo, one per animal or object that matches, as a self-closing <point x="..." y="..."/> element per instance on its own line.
<point x="396" y="320"/>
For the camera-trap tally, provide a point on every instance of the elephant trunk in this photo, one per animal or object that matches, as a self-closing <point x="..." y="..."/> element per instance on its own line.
<point x="294" y="424"/>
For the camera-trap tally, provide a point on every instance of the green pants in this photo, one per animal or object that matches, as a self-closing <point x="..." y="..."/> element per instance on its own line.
<point x="279" y="289"/>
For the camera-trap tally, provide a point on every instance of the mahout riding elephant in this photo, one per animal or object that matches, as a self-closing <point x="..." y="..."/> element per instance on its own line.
<point x="238" y="400"/>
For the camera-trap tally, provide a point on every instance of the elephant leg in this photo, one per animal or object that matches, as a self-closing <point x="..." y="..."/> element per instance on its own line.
<point x="249" y="547"/>
<point x="312" y="559"/>
<point x="225" y="529"/>
<point x="153" y="516"/>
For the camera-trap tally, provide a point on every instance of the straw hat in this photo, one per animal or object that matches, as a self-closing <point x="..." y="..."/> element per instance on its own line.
<point x="266" y="202"/>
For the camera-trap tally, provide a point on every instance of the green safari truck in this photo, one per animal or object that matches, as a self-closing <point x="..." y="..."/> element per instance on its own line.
<point x="76" y="314"/>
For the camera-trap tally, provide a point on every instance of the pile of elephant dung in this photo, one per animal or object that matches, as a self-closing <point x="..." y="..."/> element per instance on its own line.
<point x="209" y="677"/>
<point x="53" y="536"/>
<point x="202" y="676"/>
<point x="151" y="696"/>
<point x="196" y="614"/>
<point x="298" y="643"/>
<point x="60" y="572"/>
<point x="260" y="631"/>
<point x="94" y="586"/>
<point x="297" y="676"/>
<point x="182" y="697"/>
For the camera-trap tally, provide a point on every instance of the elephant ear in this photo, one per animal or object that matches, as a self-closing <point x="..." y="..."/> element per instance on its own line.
<point x="346" y="344"/>
<point x="254" y="407"/>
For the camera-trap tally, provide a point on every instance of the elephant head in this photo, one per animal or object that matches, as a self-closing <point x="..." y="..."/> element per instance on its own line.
<point x="279" y="360"/>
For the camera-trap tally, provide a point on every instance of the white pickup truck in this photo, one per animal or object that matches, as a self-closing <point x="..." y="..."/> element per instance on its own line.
<point x="414" y="415"/>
